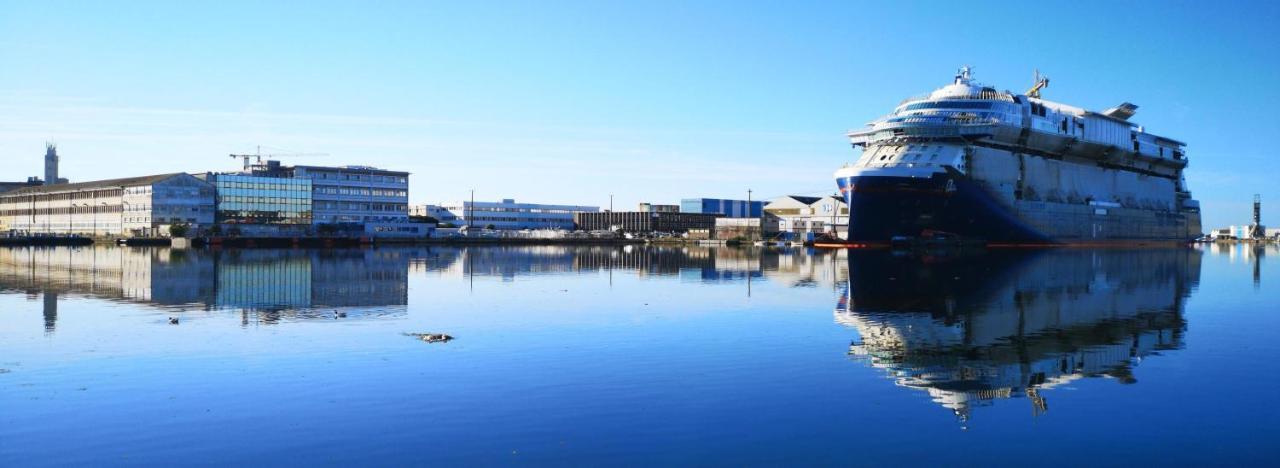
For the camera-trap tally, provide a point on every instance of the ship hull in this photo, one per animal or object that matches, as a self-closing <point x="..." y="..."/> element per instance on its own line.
<point x="884" y="209"/>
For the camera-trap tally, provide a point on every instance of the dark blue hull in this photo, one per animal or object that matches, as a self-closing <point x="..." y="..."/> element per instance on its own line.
<point x="883" y="208"/>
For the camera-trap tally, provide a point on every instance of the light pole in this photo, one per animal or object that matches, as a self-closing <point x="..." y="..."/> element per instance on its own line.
<point x="471" y="210"/>
<point x="611" y="203"/>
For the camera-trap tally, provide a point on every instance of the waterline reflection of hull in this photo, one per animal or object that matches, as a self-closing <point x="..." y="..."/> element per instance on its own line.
<point x="972" y="330"/>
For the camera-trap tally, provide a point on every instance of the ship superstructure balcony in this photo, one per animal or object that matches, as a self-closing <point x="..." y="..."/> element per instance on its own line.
<point x="985" y="95"/>
<point x="926" y="127"/>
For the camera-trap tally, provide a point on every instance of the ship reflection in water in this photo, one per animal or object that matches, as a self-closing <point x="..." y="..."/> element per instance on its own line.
<point x="973" y="329"/>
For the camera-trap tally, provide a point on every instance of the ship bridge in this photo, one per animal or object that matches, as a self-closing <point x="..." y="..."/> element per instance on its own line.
<point x="962" y="109"/>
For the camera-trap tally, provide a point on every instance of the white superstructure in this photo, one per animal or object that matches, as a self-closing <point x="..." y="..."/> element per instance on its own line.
<point x="970" y="160"/>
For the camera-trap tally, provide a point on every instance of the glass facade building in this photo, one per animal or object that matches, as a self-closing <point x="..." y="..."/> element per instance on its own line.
<point x="246" y="199"/>
<point x="729" y="208"/>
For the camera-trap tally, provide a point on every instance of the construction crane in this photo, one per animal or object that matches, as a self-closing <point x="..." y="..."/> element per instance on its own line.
<point x="1042" y="82"/>
<point x="257" y="156"/>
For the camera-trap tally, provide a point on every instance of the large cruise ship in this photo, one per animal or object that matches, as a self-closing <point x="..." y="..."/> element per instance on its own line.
<point x="969" y="162"/>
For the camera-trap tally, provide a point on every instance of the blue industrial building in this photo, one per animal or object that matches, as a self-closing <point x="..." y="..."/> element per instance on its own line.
<point x="728" y="208"/>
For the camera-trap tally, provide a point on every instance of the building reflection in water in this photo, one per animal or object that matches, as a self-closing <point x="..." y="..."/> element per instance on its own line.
<point x="791" y="267"/>
<point x="269" y="285"/>
<point x="972" y="329"/>
<point x="1251" y="252"/>
<point x="266" y="285"/>
<point x="50" y="302"/>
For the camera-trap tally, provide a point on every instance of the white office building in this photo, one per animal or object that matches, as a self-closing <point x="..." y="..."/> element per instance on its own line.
<point x="800" y="214"/>
<point x="356" y="194"/>
<point x="136" y="206"/>
<point x="506" y="214"/>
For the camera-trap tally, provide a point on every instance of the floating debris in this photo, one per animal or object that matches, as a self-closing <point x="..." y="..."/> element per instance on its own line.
<point x="173" y="320"/>
<point x="431" y="337"/>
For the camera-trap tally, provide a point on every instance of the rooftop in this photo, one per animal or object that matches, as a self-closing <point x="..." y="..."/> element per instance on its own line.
<point x="805" y="200"/>
<point x="349" y="169"/>
<point x="108" y="183"/>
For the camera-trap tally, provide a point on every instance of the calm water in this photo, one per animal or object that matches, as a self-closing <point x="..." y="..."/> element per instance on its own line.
<point x="638" y="356"/>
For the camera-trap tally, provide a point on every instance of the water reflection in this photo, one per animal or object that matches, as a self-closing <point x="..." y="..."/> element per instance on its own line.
<point x="271" y="285"/>
<point x="690" y="263"/>
<point x="268" y="285"/>
<point x="1250" y="252"/>
<point x="971" y="329"/>
<point x="50" y="309"/>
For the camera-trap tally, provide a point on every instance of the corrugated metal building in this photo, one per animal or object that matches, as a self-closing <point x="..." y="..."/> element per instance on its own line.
<point x="636" y="221"/>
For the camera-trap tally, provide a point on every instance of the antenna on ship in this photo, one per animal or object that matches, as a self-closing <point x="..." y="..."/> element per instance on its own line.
<point x="963" y="75"/>
<point x="1041" y="82"/>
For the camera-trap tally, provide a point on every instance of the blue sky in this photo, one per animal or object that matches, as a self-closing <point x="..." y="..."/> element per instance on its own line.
<point x="569" y="102"/>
